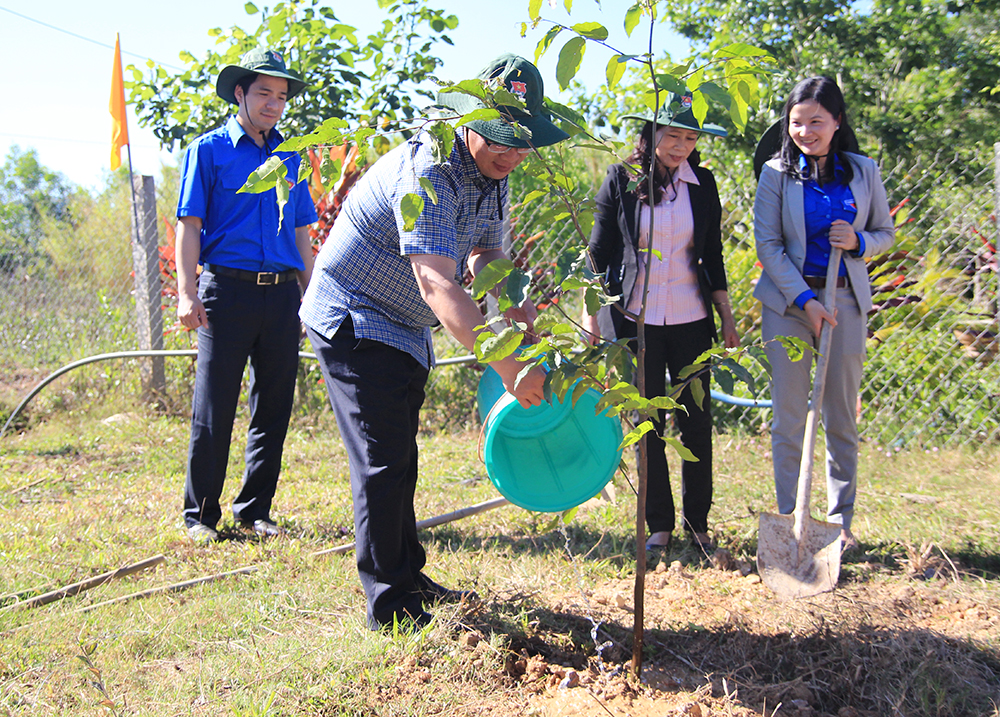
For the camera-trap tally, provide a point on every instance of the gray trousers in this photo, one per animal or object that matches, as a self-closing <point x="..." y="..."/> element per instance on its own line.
<point x="791" y="384"/>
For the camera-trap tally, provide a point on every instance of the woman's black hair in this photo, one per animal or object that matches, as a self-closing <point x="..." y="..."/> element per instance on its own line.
<point x="642" y="155"/>
<point x="825" y="92"/>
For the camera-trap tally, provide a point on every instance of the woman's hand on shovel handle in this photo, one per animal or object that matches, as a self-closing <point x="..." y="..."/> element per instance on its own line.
<point x="816" y="314"/>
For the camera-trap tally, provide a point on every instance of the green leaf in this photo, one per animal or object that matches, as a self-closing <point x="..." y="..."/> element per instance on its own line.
<point x="251" y="8"/>
<point x="680" y="449"/>
<point x="570" y="57"/>
<point x="329" y="170"/>
<point x="795" y="347"/>
<point x="535" y="194"/>
<point x="632" y="17"/>
<point x="265" y="177"/>
<point x="698" y="392"/>
<point x="724" y="378"/>
<point x="741" y="49"/>
<point x="516" y="286"/>
<point x="425" y="183"/>
<point x="690" y="370"/>
<point x="491" y="275"/>
<point x="760" y="356"/>
<point x="592" y="296"/>
<point x="546" y="41"/>
<point x="614" y="71"/>
<point x="699" y="107"/>
<point x="670" y="83"/>
<point x="483" y="113"/>
<point x="410" y="207"/>
<point x="633" y="436"/>
<point x="695" y="79"/>
<point x="740" y="92"/>
<point x="297" y="144"/>
<point x="591" y="30"/>
<point x="740" y="373"/>
<point x="361" y="136"/>
<point x="442" y="140"/>
<point x="716" y="93"/>
<point x="566" y="113"/>
<point x="534" y="9"/>
<point x="283" y="188"/>
<point x="468" y="87"/>
<point x="568" y="515"/>
<point x="496" y="347"/>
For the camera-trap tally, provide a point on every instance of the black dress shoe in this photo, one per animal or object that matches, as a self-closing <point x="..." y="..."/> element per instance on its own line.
<point x="430" y="592"/>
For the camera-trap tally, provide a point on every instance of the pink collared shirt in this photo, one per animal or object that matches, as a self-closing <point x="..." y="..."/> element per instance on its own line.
<point x="674" y="295"/>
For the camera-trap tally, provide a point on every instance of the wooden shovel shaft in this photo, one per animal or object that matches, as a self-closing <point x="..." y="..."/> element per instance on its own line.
<point x="804" y="489"/>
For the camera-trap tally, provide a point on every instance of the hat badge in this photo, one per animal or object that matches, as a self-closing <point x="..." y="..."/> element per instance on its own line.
<point x="686" y="102"/>
<point x="519" y="89"/>
<point x="276" y="57"/>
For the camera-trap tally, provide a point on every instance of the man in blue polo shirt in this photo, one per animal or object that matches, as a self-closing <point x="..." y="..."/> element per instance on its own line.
<point x="377" y="291"/>
<point x="245" y="302"/>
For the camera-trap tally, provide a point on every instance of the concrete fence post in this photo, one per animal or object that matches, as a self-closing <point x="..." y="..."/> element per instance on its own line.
<point x="148" y="286"/>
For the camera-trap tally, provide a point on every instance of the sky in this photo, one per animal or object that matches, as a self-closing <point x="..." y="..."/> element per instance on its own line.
<point x="59" y="82"/>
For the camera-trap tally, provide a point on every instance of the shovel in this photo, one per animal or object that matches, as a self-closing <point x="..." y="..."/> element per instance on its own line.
<point x="797" y="555"/>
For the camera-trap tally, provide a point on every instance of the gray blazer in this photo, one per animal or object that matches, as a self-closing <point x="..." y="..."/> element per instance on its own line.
<point x="780" y="233"/>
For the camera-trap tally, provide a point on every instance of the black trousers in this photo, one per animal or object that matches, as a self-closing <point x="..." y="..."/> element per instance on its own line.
<point x="376" y="392"/>
<point x="245" y="321"/>
<point x="672" y="348"/>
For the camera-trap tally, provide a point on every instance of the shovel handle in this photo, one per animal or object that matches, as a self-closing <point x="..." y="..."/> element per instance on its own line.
<point x="804" y="488"/>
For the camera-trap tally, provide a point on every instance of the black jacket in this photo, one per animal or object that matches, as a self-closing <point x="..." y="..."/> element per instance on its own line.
<point x="614" y="244"/>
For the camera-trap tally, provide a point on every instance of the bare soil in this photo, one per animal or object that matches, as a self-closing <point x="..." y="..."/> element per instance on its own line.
<point x="886" y="641"/>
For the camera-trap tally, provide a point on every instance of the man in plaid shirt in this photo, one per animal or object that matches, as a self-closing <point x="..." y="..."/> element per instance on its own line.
<point x="376" y="291"/>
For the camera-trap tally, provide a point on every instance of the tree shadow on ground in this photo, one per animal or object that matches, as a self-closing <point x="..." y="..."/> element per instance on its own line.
<point x="865" y="670"/>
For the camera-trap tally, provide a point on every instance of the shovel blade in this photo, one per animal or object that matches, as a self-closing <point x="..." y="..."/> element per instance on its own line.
<point x="798" y="568"/>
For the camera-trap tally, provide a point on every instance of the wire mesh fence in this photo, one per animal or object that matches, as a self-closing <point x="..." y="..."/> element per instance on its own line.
<point x="931" y="376"/>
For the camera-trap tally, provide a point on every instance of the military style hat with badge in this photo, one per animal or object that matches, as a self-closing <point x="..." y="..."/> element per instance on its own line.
<point x="521" y="79"/>
<point x="256" y="62"/>
<point x="677" y="112"/>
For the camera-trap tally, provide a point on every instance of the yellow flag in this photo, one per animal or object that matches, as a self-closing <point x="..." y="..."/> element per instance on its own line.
<point x="119" y="127"/>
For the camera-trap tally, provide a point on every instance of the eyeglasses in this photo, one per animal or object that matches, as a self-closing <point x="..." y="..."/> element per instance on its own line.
<point x="497" y="148"/>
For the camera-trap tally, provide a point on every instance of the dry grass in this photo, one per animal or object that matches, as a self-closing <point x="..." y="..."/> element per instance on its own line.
<point x="911" y="630"/>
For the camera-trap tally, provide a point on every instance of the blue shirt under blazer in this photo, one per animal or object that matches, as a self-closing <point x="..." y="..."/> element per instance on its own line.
<point x="780" y="233"/>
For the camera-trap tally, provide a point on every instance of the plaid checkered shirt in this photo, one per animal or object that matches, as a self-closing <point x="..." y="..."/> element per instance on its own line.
<point x="363" y="269"/>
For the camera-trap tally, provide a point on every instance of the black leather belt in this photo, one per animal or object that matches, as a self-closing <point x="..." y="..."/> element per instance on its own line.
<point x="261" y="278"/>
<point x="819" y="282"/>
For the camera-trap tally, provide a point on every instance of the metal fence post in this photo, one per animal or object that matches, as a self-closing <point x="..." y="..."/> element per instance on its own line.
<point x="146" y="263"/>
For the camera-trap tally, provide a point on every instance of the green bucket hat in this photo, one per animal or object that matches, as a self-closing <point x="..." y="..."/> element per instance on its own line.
<point x="676" y="112"/>
<point x="521" y="79"/>
<point x="256" y="62"/>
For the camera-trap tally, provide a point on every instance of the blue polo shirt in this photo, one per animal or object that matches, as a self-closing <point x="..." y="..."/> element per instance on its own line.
<point x="240" y="231"/>
<point x="364" y="270"/>
<point x="822" y="206"/>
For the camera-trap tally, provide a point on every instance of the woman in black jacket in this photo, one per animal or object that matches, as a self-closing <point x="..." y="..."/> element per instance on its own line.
<point x="687" y="279"/>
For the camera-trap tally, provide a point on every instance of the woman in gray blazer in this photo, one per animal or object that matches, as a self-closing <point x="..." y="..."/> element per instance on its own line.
<point x="814" y="195"/>
<point x="687" y="284"/>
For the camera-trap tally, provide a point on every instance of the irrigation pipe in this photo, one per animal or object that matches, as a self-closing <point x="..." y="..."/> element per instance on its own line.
<point x="175" y="587"/>
<point x="79" y="587"/>
<point x="429" y="523"/>
<point x="717" y="395"/>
